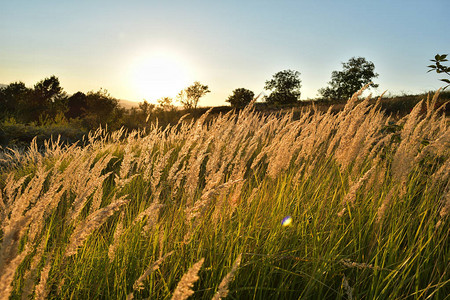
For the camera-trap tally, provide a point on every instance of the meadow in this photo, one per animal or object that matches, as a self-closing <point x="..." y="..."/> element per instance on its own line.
<point x="348" y="204"/>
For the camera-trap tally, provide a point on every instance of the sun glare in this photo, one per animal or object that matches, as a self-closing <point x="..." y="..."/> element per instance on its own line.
<point x="158" y="75"/>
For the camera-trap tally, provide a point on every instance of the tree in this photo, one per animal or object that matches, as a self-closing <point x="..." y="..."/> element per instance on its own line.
<point x="165" y="103"/>
<point x="285" y="86"/>
<point x="101" y="109"/>
<point x="46" y="99"/>
<point x="146" y="108"/>
<point x="77" y="105"/>
<point x="190" y="96"/>
<point x="440" y="68"/>
<point x="12" y="97"/>
<point x="356" y="73"/>
<point x="48" y="89"/>
<point x="240" y="97"/>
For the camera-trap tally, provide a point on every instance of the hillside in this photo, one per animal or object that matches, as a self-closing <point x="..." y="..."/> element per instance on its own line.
<point x="128" y="104"/>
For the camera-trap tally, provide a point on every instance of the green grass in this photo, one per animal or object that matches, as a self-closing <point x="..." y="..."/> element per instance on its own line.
<point x="403" y="255"/>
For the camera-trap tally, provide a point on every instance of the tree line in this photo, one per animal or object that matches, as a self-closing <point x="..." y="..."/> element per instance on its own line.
<point x="285" y="86"/>
<point x="47" y="102"/>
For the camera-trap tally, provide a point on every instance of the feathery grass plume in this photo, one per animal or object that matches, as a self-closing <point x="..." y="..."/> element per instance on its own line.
<point x="96" y="199"/>
<point x="42" y="290"/>
<point x="225" y="202"/>
<point x="351" y="264"/>
<point x="93" y="221"/>
<point x="157" y="171"/>
<point x="184" y="287"/>
<point x="148" y="163"/>
<point x="85" y="182"/>
<point x="11" y="186"/>
<point x="222" y="139"/>
<point x="8" y="271"/>
<point x="384" y="205"/>
<point x="222" y="292"/>
<point x="316" y="132"/>
<point x="179" y="178"/>
<point x="192" y="176"/>
<point x="383" y="142"/>
<point x="348" y="289"/>
<point x="440" y="146"/>
<point x="445" y="210"/>
<point x="350" y="197"/>
<point x="201" y="206"/>
<point x="16" y="224"/>
<point x="151" y="213"/>
<point x="282" y="150"/>
<point x="377" y="178"/>
<point x="367" y="134"/>
<point x="352" y="133"/>
<point x="30" y="275"/>
<point x="139" y="283"/>
<point x="127" y="161"/>
<point x="347" y="119"/>
<point x="402" y="162"/>
<point x="442" y="174"/>
<point x="45" y="204"/>
<point x="116" y="238"/>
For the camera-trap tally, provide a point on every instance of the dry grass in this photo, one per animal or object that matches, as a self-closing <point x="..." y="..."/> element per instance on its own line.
<point x="360" y="187"/>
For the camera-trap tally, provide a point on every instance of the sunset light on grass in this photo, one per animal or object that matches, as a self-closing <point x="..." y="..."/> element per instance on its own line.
<point x="225" y="149"/>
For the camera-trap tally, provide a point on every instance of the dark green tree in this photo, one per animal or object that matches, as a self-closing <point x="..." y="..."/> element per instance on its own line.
<point x="46" y="100"/>
<point x="356" y="73"/>
<point x="240" y="97"/>
<point x="285" y="86"/>
<point x="440" y="68"/>
<point x="190" y="96"/>
<point x="101" y="109"/>
<point x="12" y="97"/>
<point x="76" y="105"/>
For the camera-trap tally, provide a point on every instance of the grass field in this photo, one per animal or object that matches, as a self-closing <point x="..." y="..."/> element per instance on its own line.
<point x="333" y="205"/>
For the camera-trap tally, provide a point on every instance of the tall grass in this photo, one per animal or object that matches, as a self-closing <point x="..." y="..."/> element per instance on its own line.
<point x="196" y="209"/>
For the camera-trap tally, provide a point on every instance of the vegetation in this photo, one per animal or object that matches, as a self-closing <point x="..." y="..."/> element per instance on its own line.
<point x="356" y="73"/>
<point x="240" y="97"/>
<point x="190" y="96"/>
<point x="200" y="209"/>
<point x="166" y="103"/>
<point x="285" y="87"/>
<point x="440" y="68"/>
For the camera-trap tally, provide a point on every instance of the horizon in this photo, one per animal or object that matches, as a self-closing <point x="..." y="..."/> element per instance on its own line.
<point x="147" y="50"/>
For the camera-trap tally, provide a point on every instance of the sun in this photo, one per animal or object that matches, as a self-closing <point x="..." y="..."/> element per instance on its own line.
<point x="158" y="75"/>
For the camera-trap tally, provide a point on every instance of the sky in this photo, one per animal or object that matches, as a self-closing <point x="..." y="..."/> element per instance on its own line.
<point x="149" y="49"/>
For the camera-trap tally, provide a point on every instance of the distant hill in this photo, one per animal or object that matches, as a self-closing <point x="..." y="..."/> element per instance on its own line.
<point x="128" y="104"/>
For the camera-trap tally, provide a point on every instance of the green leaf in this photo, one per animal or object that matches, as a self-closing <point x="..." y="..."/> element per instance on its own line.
<point x="432" y="66"/>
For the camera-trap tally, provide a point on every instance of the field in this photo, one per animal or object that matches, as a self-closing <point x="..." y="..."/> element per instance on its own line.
<point x="331" y="205"/>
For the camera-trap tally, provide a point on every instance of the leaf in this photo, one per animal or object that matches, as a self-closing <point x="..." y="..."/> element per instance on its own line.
<point x="446" y="80"/>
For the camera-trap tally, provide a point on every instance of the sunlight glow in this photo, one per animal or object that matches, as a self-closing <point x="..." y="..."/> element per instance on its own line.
<point x="158" y="75"/>
<point x="287" y="221"/>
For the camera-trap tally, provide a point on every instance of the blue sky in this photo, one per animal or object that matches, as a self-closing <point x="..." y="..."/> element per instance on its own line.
<point x="147" y="49"/>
